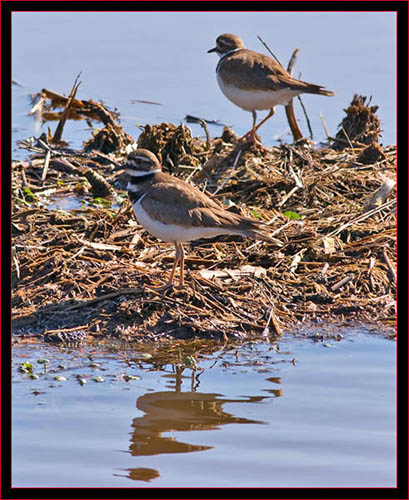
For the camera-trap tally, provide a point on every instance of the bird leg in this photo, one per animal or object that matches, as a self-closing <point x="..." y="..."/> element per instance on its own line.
<point x="179" y="259"/>
<point x="251" y="135"/>
<point x="175" y="262"/>
<point x="270" y="114"/>
<point x="178" y="255"/>
<point x="182" y="265"/>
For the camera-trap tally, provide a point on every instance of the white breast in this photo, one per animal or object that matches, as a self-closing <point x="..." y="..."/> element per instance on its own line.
<point x="251" y="100"/>
<point x="174" y="232"/>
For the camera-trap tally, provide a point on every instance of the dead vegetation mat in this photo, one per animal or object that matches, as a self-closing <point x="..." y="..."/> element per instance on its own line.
<point x="91" y="273"/>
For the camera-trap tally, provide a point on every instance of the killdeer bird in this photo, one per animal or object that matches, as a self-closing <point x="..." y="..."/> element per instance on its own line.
<point x="172" y="210"/>
<point x="255" y="81"/>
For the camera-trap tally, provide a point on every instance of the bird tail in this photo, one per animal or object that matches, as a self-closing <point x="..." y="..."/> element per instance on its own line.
<point x="317" y="89"/>
<point x="325" y="92"/>
<point x="261" y="234"/>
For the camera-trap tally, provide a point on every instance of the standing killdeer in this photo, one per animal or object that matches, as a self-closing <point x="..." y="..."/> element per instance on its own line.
<point x="255" y="81"/>
<point x="173" y="210"/>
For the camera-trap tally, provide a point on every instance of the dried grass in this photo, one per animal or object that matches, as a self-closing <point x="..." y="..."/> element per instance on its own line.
<point x="90" y="273"/>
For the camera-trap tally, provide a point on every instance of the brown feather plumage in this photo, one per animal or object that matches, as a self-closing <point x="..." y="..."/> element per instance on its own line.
<point x="167" y="195"/>
<point x="266" y="74"/>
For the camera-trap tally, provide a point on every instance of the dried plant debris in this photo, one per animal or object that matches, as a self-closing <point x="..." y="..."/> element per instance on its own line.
<point x="91" y="273"/>
<point x="108" y="139"/>
<point x="111" y="137"/>
<point x="361" y="124"/>
<point x="371" y="154"/>
<point x="172" y="144"/>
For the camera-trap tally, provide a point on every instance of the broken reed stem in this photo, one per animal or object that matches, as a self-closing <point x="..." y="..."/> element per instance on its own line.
<point x="291" y="63"/>
<point x="347" y="137"/>
<point x="58" y="133"/>
<point x="204" y="125"/>
<point x="289" y="108"/>
<point x="324" y="125"/>
<point x="46" y="159"/>
<point x="46" y="164"/>
<point x="341" y="283"/>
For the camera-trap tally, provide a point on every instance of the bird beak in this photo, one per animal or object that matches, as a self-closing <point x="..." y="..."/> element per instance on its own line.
<point x="212" y="50"/>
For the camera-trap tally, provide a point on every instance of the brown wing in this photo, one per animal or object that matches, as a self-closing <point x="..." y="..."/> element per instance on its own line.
<point x="172" y="201"/>
<point x="266" y="73"/>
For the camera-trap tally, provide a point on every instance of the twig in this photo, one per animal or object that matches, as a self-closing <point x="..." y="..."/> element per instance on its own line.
<point x="232" y="173"/>
<point x="193" y="172"/>
<point x="268" y="48"/>
<point x="287" y="196"/>
<point x="111" y="295"/>
<point x="83" y="327"/>
<point x="352" y="144"/>
<point x="392" y="272"/>
<point x="46" y="164"/>
<point x="204" y="126"/>
<point x="297" y="180"/>
<point x="341" y="283"/>
<point x="17" y="266"/>
<point x="348" y="139"/>
<point x="236" y="159"/>
<point x="324" y="125"/>
<point x="306" y="117"/>
<point x="274" y="320"/>
<point x="362" y="217"/>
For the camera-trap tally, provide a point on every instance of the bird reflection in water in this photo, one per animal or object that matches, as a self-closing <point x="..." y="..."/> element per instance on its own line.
<point x="173" y="411"/>
<point x="181" y="411"/>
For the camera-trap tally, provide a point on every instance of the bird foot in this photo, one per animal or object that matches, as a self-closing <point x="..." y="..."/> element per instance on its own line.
<point x="250" y="138"/>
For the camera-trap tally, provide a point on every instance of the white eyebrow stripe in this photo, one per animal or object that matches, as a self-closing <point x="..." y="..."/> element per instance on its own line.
<point x="140" y="157"/>
<point x="141" y="173"/>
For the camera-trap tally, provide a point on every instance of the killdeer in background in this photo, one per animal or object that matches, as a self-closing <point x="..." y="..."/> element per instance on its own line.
<point x="255" y="81"/>
<point x="174" y="211"/>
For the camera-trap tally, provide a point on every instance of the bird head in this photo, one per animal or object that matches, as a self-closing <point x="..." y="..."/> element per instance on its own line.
<point x="140" y="162"/>
<point x="226" y="43"/>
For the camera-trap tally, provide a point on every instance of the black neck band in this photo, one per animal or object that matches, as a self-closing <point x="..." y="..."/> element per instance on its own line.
<point x="137" y="179"/>
<point x="134" y="196"/>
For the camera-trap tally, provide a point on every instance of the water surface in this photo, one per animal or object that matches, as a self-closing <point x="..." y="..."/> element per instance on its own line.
<point x="308" y="414"/>
<point x="126" y="57"/>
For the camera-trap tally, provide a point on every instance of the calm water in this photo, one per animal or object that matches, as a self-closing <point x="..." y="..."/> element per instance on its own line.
<point x="161" y="57"/>
<point x="255" y="418"/>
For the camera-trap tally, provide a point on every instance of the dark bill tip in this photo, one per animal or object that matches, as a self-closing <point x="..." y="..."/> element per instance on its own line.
<point x="212" y="50"/>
